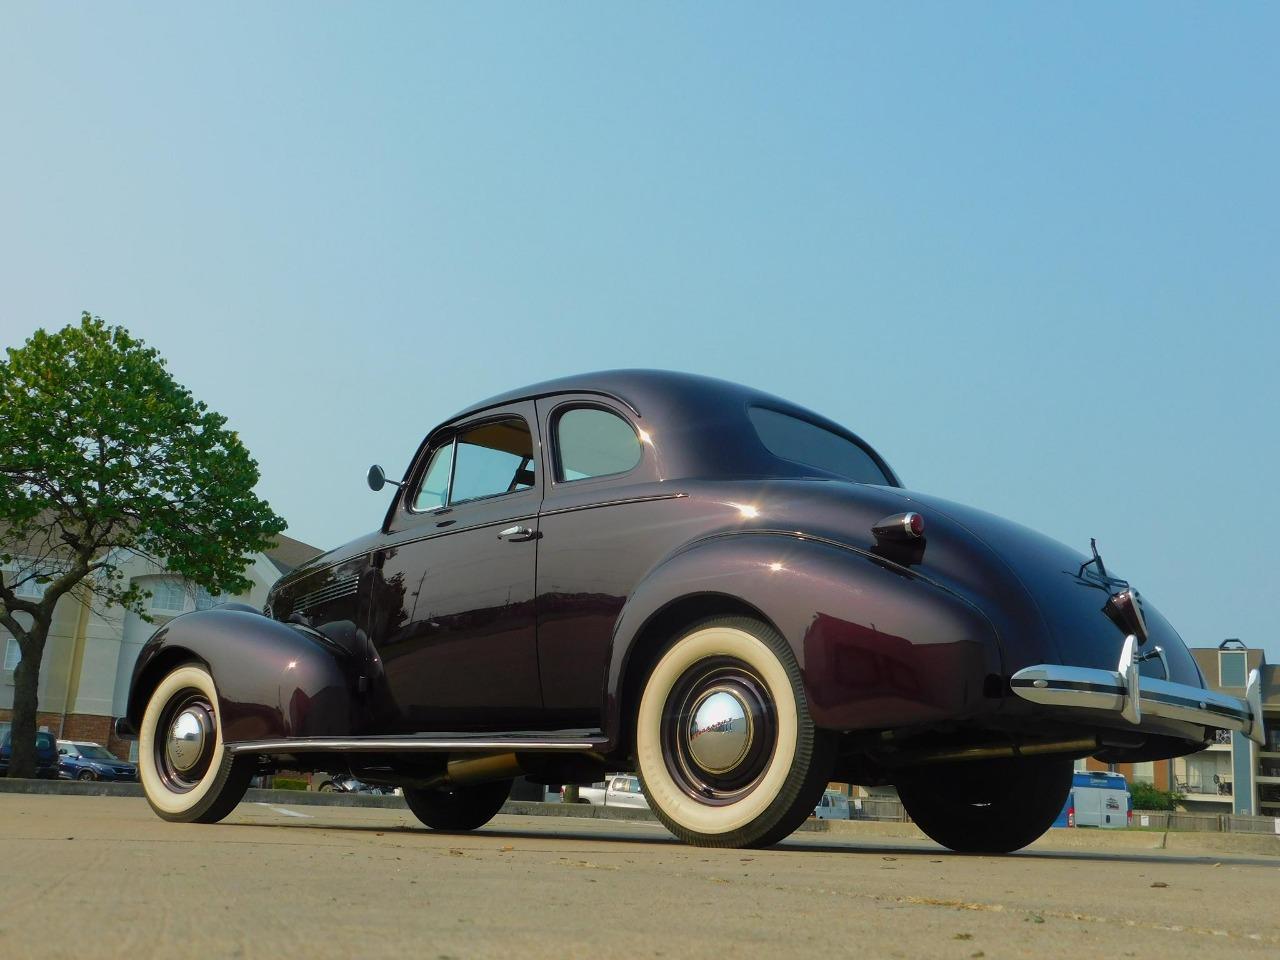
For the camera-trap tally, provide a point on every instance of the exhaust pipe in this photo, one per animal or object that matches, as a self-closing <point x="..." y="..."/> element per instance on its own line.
<point x="1081" y="747"/>
<point x="475" y="769"/>
<point x="498" y="766"/>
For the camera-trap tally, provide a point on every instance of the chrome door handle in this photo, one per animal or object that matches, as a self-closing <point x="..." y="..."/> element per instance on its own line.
<point x="516" y="534"/>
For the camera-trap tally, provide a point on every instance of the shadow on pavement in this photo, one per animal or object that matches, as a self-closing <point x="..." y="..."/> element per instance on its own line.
<point x="797" y="843"/>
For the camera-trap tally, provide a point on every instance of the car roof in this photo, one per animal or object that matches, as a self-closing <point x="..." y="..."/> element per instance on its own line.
<point x="685" y="408"/>
<point x="635" y="387"/>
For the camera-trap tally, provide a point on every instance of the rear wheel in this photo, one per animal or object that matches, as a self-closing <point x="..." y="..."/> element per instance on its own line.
<point x="726" y="749"/>
<point x="458" y="808"/>
<point x="187" y="773"/>
<point x="988" y="806"/>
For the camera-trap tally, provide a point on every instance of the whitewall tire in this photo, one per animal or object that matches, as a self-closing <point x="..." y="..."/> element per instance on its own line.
<point x="186" y="771"/>
<point x="725" y="746"/>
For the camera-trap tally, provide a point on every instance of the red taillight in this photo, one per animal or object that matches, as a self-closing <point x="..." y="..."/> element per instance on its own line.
<point x="1071" y="816"/>
<point x="900" y="526"/>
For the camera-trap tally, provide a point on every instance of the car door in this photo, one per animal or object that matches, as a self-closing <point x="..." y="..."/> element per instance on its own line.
<point x="453" y="629"/>
<point x="607" y="518"/>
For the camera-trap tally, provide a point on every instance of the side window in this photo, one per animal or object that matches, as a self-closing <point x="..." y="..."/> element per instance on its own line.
<point x="434" y="492"/>
<point x="591" y="442"/>
<point x="492" y="459"/>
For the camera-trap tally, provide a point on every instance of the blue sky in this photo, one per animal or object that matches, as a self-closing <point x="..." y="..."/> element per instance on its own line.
<point x="1029" y="251"/>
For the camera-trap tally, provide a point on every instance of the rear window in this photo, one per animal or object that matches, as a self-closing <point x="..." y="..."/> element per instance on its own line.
<point x="800" y="441"/>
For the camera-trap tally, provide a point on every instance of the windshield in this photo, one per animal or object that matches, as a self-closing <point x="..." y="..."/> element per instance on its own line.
<point x="91" y="751"/>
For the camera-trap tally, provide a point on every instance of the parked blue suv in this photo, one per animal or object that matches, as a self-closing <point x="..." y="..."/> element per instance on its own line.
<point x="91" y="761"/>
<point x="46" y="756"/>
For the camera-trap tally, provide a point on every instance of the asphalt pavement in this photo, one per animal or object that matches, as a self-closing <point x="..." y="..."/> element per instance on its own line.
<point x="85" y="877"/>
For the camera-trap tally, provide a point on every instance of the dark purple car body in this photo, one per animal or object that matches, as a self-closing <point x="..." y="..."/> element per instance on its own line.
<point x="529" y="620"/>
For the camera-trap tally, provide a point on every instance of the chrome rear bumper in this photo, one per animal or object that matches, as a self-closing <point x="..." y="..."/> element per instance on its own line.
<point x="1125" y="692"/>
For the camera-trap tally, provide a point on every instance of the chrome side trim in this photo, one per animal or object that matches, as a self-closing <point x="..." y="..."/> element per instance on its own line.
<point x="646" y="498"/>
<point x="413" y="744"/>
<point x="1126" y="692"/>
<point x="448" y="531"/>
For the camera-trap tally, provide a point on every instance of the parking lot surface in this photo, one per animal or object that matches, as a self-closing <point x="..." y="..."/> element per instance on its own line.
<point x="103" y="877"/>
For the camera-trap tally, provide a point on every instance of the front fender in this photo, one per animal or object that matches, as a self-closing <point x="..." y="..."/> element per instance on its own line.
<point x="274" y="680"/>
<point x="878" y="645"/>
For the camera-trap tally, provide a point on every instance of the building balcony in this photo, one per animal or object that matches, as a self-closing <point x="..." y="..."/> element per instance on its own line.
<point x="1198" y="789"/>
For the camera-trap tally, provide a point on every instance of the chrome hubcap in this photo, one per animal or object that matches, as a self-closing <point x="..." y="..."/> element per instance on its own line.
<point x="720" y="730"/>
<point x="188" y="736"/>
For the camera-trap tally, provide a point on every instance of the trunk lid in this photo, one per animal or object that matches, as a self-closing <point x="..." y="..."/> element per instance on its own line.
<point x="1069" y="595"/>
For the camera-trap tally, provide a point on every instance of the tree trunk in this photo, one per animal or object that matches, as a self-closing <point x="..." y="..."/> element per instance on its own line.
<point x="26" y="693"/>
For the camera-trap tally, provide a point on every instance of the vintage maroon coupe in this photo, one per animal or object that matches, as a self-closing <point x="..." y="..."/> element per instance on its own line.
<point x="721" y="590"/>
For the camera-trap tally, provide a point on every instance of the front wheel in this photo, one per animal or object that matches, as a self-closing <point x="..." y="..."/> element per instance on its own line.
<point x="726" y="749"/>
<point x="86" y="775"/>
<point x="187" y="773"/>
<point x="988" y="806"/>
<point x="458" y="808"/>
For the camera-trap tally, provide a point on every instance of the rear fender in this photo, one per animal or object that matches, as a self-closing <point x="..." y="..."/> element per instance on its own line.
<point x="879" y="645"/>
<point x="274" y="680"/>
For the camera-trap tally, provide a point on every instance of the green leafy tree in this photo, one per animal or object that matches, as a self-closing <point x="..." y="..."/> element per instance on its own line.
<point x="103" y="454"/>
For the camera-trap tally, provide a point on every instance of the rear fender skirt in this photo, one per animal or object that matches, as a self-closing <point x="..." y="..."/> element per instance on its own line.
<point x="878" y="645"/>
<point x="274" y="680"/>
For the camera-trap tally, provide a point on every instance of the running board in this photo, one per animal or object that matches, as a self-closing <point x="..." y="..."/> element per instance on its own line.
<point x="454" y="744"/>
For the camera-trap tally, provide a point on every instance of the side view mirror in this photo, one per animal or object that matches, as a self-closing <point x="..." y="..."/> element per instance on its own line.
<point x="377" y="478"/>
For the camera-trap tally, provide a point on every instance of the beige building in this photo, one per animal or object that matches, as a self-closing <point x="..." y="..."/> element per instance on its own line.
<point x="89" y="655"/>
<point x="1234" y="774"/>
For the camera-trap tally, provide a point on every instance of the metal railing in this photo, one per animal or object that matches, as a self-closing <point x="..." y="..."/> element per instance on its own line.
<point x="1209" y="822"/>
<point x="877" y="808"/>
<point x="1215" y="786"/>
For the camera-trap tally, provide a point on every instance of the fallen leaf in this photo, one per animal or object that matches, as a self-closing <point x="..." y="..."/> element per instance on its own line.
<point x="1159" y="883"/>
<point x="963" y="936"/>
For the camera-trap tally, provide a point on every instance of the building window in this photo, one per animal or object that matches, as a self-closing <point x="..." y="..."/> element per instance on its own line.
<point x="168" y="596"/>
<point x="12" y="654"/>
<point x="1144" y="772"/>
<point x="29" y="589"/>
<point x="207" y="601"/>
<point x="1232" y="666"/>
